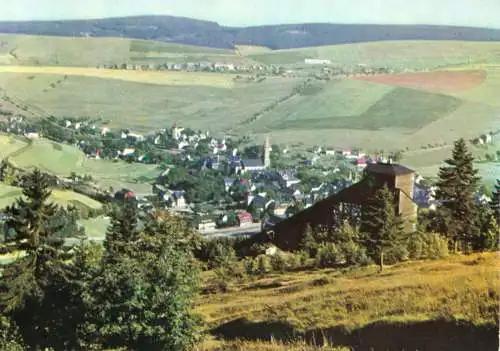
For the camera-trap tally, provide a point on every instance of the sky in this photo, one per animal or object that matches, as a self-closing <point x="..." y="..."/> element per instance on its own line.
<point x="477" y="13"/>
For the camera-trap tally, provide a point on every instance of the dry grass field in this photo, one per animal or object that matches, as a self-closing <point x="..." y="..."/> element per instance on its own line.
<point x="441" y="305"/>
<point x="146" y="77"/>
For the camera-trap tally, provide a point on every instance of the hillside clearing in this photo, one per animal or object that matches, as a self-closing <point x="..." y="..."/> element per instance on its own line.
<point x="357" y="105"/>
<point x="8" y="194"/>
<point x="147" y="77"/>
<point x="61" y="160"/>
<point x="144" y="107"/>
<point x="342" y="306"/>
<point x="400" y="54"/>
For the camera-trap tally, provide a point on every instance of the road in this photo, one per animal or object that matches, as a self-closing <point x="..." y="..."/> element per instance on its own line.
<point x="251" y="229"/>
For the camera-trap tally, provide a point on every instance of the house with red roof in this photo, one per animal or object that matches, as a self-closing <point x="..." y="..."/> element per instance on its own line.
<point x="244" y="218"/>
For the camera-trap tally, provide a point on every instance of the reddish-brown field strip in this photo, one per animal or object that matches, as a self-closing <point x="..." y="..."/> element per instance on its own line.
<point x="441" y="82"/>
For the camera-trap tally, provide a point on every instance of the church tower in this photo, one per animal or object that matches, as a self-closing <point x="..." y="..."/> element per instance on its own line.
<point x="267" y="150"/>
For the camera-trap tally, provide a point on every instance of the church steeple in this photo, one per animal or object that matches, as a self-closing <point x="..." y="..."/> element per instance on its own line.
<point x="267" y="151"/>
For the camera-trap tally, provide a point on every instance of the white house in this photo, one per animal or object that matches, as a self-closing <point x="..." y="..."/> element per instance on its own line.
<point x="176" y="133"/>
<point x="310" y="61"/>
<point x="32" y="135"/>
<point x="182" y="145"/>
<point x="128" y="151"/>
<point x="317" y="189"/>
<point x="206" y="225"/>
<point x="104" y="131"/>
<point x="137" y="137"/>
<point x="486" y="138"/>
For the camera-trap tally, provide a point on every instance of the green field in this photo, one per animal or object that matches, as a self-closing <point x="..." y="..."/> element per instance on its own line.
<point x="95" y="227"/>
<point x="62" y="197"/>
<point x="143" y="107"/>
<point x="63" y="159"/>
<point x="361" y="105"/>
<point x="404" y="54"/>
<point x="90" y="52"/>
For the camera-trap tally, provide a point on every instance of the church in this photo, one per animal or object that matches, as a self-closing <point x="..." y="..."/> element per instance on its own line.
<point x="258" y="164"/>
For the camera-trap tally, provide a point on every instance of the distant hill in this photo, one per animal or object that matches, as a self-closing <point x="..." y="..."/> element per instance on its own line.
<point x="211" y="34"/>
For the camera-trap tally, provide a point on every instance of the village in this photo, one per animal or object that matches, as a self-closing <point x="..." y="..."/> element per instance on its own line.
<point x="226" y="185"/>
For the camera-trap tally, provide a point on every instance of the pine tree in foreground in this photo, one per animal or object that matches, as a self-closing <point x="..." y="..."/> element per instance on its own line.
<point x="33" y="291"/>
<point x="122" y="232"/>
<point x="382" y="225"/>
<point x="456" y="189"/>
<point x="143" y="301"/>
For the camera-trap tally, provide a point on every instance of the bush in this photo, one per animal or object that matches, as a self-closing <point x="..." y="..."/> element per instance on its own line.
<point x="396" y="254"/>
<point x="303" y="257"/>
<point x="329" y="256"/>
<point x="293" y="262"/>
<point x="211" y="248"/>
<point x="278" y="263"/>
<point x="427" y="246"/>
<point x="249" y="265"/>
<point x="263" y="264"/>
<point x="355" y="254"/>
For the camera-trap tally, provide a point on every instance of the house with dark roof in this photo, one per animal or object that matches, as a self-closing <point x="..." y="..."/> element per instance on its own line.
<point x="252" y="165"/>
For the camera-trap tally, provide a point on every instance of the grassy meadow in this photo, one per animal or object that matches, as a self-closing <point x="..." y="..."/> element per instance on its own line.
<point x="62" y="197"/>
<point x="143" y="106"/>
<point x="90" y="52"/>
<point x="61" y="159"/>
<point x="402" y="54"/>
<point x="441" y="305"/>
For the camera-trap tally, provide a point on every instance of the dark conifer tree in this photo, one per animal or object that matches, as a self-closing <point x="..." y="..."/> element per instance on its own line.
<point x="383" y="227"/>
<point x="31" y="287"/>
<point x="495" y="202"/>
<point x="456" y="189"/>
<point x="122" y="232"/>
<point x="143" y="300"/>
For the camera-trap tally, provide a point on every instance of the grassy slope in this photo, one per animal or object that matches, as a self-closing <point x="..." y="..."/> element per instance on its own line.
<point x="95" y="227"/>
<point x="89" y="52"/>
<point x="339" y="305"/>
<point x="147" y="77"/>
<point x="406" y="54"/>
<point x="63" y="159"/>
<point x="143" y="107"/>
<point x="365" y="106"/>
<point x="62" y="197"/>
